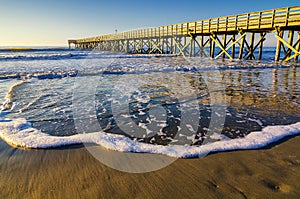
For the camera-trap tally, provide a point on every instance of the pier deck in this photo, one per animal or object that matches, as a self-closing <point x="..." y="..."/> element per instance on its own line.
<point x="238" y="36"/>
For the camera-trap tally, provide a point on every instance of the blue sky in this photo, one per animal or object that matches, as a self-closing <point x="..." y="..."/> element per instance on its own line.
<point x="52" y="23"/>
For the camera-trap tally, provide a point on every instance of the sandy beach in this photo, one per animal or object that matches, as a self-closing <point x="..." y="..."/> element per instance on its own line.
<point x="125" y="99"/>
<point x="273" y="172"/>
<point x="73" y="172"/>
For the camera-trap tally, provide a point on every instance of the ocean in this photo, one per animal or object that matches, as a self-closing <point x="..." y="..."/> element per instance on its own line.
<point x="161" y="104"/>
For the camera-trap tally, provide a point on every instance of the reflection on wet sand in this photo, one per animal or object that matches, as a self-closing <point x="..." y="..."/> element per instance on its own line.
<point x="260" y="98"/>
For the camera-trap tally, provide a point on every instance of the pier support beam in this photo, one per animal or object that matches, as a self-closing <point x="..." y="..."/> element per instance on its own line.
<point x="155" y="46"/>
<point x="225" y="46"/>
<point x="278" y="47"/>
<point x="233" y="47"/>
<point x="291" y="49"/>
<point x="217" y="41"/>
<point x="261" y="43"/>
<point x="212" y="46"/>
<point x="298" y="47"/>
<point x="242" y="45"/>
<point x="182" y="48"/>
<point x="252" y="47"/>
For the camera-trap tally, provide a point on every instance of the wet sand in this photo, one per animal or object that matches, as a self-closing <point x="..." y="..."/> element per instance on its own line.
<point x="273" y="172"/>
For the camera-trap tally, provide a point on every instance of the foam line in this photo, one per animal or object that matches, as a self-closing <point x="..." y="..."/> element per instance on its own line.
<point x="19" y="133"/>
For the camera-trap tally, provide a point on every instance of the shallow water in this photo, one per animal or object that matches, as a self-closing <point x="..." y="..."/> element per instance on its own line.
<point x="157" y="100"/>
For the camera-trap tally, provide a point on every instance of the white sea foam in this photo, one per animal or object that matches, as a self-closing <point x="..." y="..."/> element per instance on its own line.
<point x="19" y="133"/>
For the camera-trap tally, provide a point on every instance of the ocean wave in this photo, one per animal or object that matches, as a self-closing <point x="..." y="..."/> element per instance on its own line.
<point x="8" y="103"/>
<point x="19" y="133"/>
<point x="41" y="56"/>
<point x="71" y="55"/>
<point x="130" y="64"/>
<point x="39" y="75"/>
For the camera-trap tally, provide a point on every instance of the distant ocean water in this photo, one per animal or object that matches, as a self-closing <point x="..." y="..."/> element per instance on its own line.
<point x="179" y="107"/>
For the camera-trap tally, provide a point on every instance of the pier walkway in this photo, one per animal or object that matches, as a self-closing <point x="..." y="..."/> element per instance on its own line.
<point x="239" y="36"/>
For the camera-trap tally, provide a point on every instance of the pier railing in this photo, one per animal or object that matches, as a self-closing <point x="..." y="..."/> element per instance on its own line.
<point x="268" y="19"/>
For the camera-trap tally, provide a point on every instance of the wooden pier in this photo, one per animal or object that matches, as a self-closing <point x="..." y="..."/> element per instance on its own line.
<point x="239" y="36"/>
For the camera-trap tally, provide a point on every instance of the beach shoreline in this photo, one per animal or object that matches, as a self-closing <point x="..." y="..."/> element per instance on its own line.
<point x="71" y="172"/>
<point x="253" y="97"/>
